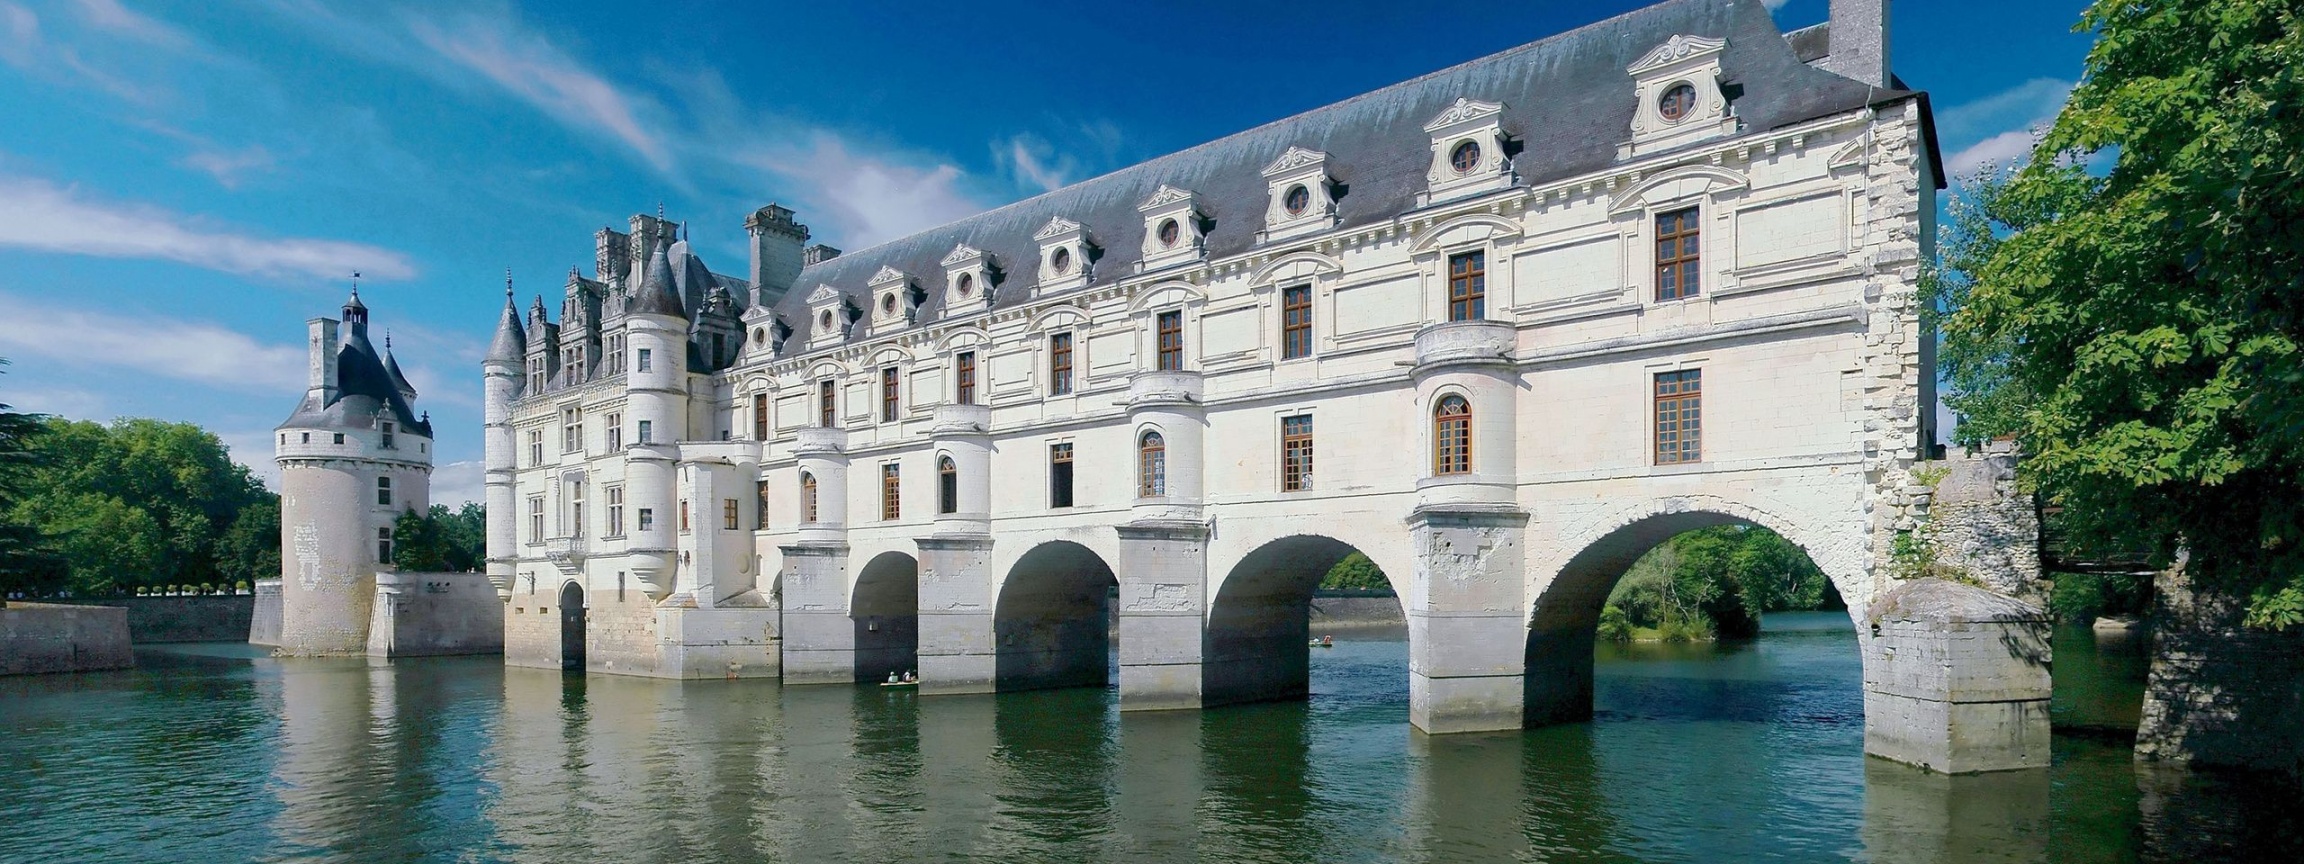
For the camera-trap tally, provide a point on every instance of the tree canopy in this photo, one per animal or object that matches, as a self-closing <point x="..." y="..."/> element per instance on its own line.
<point x="2128" y="304"/>
<point x="441" y="540"/>
<point x="26" y="562"/>
<point x="1714" y="582"/>
<point x="145" y="503"/>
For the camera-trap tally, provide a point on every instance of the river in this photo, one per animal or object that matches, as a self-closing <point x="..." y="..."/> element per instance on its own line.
<point x="1734" y="752"/>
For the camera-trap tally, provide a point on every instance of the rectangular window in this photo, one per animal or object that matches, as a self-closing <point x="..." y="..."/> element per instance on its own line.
<point x="1676" y="259"/>
<point x="645" y="433"/>
<point x="536" y="375"/>
<point x="340" y="437"/>
<point x="1296" y="453"/>
<point x="388" y="437"/>
<point x="536" y="519"/>
<point x="615" y="360"/>
<point x="1060" y="364"/>
<point x="1467" y="286"/>
<point x="615" y="510"/>
<point x="759" y="416"/>
<point x="728" y="511"/>
<point x="1171" y="330"/>
<point x="947" y="486"/>
<point x="891" y="493"/>
<point x="888" y="395"/>
<point x="615" y="432"/>
<point x="760" y="492"/>
<point x="535" y="447"/>
<point x="1679" y="417"/>
<point x="575" y="509"/>
<point x="1296" y="322"/>
<point x="383" y="491"/>
<point x="1060" y="474"/>
<point x="572" y="431"/>
<point x="964" y="374"/>
<point x="647" y="519"/>
<point x="383" y="545"/>
<point x="642" y="359"/>
<point x="683" y="515"/>
<point x="825" y="396"/>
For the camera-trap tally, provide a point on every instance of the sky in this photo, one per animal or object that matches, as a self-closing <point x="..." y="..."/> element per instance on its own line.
<point x="183" y="185"/>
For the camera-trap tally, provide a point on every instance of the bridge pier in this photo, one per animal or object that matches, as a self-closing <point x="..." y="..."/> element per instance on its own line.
<point x="957" y="649"/>
<point x="1466" y="629"/>
<point x="819" y="637"/>
<point x="1163" y="571"/>
<point x="1955" y="679"/>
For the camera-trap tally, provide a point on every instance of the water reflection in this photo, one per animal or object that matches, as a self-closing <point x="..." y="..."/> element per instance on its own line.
<point x="1700" y="753"/>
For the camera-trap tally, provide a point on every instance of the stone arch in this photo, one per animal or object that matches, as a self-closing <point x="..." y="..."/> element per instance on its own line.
<point x="1052" y="622"/>
<point x="1571" y="589"/>
<point x="1253" y="647"/>
<point x="572" y="621"/>
<point x="885" y="608"/>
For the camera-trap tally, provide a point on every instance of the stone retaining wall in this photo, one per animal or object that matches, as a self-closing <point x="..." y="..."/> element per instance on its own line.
<point x="203" y="618"/>
<point x="38" y="638"/>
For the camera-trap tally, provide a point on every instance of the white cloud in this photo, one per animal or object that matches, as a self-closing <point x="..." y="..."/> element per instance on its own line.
<point x="111" y="17"/>
<point x="49" y="218"/>
<point x="538" y="72"/>
<point x="228" y="166"/>
<point x="1035" y="162"/>
<point x="877" y="198"/>
<point x="457" y="482"/>
<point x="1999" y="130"/>
<point x="183" y="351"/>
<point x="68" y="402"/>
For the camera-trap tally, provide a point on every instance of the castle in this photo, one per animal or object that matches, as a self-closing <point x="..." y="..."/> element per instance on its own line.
<point x="1502" y="328"/>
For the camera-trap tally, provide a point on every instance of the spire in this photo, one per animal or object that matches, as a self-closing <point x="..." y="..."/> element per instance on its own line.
<point x="511" y="342"/>
<point x="392" y="368"/>
<point x="657" y="295"/>
<point x="355" y="312"/>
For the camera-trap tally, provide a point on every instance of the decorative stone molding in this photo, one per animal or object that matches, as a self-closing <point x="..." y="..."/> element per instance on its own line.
<point x="1457" y="343"/>
<point x="819" y="440"/>
<point x="1691" y="61"/>
<point x="1174" y="229"/>
<point x="1315" y="208"/>
<point x="1067" y="256"/>
<point x="950" y="420"/>
<point x="892" y="303"/>
<point x="1172" y="387"/>
<point x="969" y="277"/>
<point x="1468" y="144"/>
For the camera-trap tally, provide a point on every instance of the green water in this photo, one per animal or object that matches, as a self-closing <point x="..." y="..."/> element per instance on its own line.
<point x="1746" y="752"/>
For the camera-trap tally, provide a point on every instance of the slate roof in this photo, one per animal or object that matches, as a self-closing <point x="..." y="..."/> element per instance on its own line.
<point x="365" y="391"/>
<point x="1567" y="99"/>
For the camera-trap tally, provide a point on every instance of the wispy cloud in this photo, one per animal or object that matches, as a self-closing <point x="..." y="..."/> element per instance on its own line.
<point x="1999" y="130"/>
<point x="25" y="44"/>
<point x="111" y="17"/>
<point x="230" y="166"/>
<point x="454" y="483"/>
<point x="1035" y="162"/>
<point x="875" y="197"/>
<point x="50" y="218"/>
<point x="69" y="402"/>
<point x="190" y="351"/>
<point x="539" y="73"/>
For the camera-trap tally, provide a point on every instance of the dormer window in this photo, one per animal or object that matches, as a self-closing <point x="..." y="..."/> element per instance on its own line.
<point x="1174" y="229"/>
<point x="831" y="311"/>
<point x="1303" y="196"/>
<point x="888" y="304"/>
<point x="1676" y="103"/>
<point x="1468" y="151"/>
<point x="1680" y="100"/>
<point x="1067" y="257"/>
<point x="965" y="285"/>
<point x="825" y="320"/>
<point x="967" y="279"/>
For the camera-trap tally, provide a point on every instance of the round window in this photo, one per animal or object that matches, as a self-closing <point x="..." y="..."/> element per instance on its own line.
<point x="1169" y="232"/>
<point x="760" y="336"/>
<point x="1677" y="102"/>
<point x="825" y="320"/>
<point x="1060" y="260"/>
<point x="1297" y="199"/>
<point x="888" y="303"/>
<point x="1465" y="157"/>
<point x="967" y="284"/>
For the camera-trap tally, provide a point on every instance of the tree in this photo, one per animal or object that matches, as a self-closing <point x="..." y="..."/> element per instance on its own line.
<point x="1714" y="582"/>
<point x="27" y="564"/>
<point x="1356" y="573"/>
<point x="2130" y="308"/>
<point x="440" y="540"/>
<point x="144" y="503"/>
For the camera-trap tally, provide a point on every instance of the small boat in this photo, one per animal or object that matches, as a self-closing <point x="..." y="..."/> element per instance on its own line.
<point x="1323" y="643"/>
<point x="913" y="683"/>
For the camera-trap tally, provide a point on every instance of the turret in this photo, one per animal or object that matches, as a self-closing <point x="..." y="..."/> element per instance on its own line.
<point x="392" y="369"/>
<point x="656" y="335"/>
<point x="500" y="384"/>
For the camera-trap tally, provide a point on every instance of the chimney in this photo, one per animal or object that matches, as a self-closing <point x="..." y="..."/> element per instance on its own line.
<point x="1859" y="36"/>
<point x="321" y="389"/>
<point x="776" y="243"/>
<point x="817" y="254"/>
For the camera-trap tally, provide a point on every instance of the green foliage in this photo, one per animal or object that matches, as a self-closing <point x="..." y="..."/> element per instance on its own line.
<point x="2085" y="596"/>
<point x="145" y="503"/>
<point x="1356" y="572"/>
<point x="2127" y="304"/>
<point x="1714" y="581"/>
<point x="441" y="540"/>
<point x="28" y="562"/>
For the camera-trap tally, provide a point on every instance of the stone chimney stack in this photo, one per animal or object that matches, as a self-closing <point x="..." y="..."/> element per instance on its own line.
<point x="776" y="243"/>
<point x="322" y="369"/>
<point x="817" y="254"/>
<point x="1859" y="41"/>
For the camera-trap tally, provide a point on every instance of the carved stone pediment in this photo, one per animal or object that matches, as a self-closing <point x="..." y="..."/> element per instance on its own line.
<point x="1464" y="111"/>
<point x="1674" y="50"/>
<point x="886" y="275"/>
<point x="959" y="253"/>
<point x="1296" y="157"/>
<point x="1056" y="227"/>
<point x="1164" y="196"/>
<point x="823" y="294"/>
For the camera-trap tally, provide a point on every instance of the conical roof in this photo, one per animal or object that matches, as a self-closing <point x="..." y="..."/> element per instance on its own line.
<point x="657" y="295"/>
<point x="392" y="368"/>
<point x="511" y="341"/>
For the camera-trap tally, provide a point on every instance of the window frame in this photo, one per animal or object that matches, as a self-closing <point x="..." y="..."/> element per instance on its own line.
<point x="964" y="378"/>
<point x="731" y="518"/>
<point x="641" y="360"/>
<point x="1679" y="395"/>
<point x="1168" y="330"/>
<point x="1296" y="322"/>
<point x="1468" y="285"/>
<point x="1151" y="464"/>
<point x="891" y="390"/>
<point x="614" y="496"/>
<point x="1060" y="453"/>
<point x="384" y="545"/>
<point x="760" y="431"/>
<point x="1060" y="363"/>
<point x="947" y="485"/>
<point x="615" y="431"/>
<point x="1296" y="452"/>
<point x="1451" y="436"/>
<point x="1686" y="264"/>
<point x="808" y="512"/>
<point x="535" y="519"/>
<point x="827" y="404"/>
<point x="891" y="491"/>
<point x="383" y="490"/>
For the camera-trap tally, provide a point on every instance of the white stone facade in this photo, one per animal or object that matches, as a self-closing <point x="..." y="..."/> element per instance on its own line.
<point x="1803" y="328"/>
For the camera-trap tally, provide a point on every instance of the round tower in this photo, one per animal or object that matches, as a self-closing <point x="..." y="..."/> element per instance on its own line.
<point x="500" y="384"/>
<point x="352" y="458"/>
<point x="656" y="400"/>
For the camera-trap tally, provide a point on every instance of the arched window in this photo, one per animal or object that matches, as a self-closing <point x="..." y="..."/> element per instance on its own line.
<point x="947" y="485"/>
<point x="1151" y="466"/>
<point x="807" y="497"/>
<point x="1452" y="436"/>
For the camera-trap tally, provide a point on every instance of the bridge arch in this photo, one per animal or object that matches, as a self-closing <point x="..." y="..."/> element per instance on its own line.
<point x="1570" y="591"/>
<point x="1052" y="622"/>
<point x="1259" y="621"/>
<point x="885" y="609"/>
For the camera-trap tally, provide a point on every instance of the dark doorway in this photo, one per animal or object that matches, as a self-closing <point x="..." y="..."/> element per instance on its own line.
<point x="571" y="628"/>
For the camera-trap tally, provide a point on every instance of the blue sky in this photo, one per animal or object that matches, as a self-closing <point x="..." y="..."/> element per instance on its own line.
<point x="183" y="184"/>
